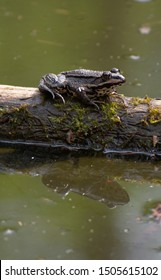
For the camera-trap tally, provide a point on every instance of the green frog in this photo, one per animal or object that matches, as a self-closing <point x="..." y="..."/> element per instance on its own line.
<point x="87" y="85"/>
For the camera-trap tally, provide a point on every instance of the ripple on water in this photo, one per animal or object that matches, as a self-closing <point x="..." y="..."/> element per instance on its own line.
<point x="134" y="57"/>
<point x="9" y="228"/>
<point x="143" y="1"/>
<point x="145" y="29"/>
<point x="69" y="251"/>
<point x="9" y="231"/>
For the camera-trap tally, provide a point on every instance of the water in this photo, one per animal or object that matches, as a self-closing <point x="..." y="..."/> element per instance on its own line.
<point x="41" y="219"/>
<point x="36" y="221"/>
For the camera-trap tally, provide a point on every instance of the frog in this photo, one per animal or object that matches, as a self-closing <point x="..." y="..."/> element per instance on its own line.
<point x="87" y="85"/>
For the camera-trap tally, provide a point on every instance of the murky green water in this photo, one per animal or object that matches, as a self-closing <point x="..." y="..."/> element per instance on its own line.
<point x="41" y="219"/>
<point x="36" y="222"/>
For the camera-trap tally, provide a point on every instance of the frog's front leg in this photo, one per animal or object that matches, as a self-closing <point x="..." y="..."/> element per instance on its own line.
<point x="54" y="92"/>
<point x="45" y="86"/>
<point x="81" y="93"/>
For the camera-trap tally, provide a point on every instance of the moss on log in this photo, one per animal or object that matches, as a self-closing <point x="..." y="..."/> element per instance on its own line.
<point x="122" y="125"/>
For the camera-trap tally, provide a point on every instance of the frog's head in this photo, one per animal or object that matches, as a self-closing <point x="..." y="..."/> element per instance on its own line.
<point x="113" y="77"/>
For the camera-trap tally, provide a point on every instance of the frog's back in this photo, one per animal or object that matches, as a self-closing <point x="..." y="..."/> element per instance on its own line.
<point x="82" y="73"/>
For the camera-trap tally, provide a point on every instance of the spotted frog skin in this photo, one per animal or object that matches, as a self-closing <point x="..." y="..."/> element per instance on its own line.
<point x="87" y="85"/>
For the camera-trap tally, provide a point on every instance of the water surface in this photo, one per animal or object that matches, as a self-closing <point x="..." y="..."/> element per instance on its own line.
<point x="36" y="222"/>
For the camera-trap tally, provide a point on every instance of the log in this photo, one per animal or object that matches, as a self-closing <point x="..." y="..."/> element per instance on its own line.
<point x="123" y="125"/>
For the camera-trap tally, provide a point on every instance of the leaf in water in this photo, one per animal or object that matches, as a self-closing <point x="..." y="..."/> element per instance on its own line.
<point x="156" y="213"/>
<point x="152" y="210"/>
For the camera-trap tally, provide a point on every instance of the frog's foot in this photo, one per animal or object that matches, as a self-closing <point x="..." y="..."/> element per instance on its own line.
<point x="53" y="93"/>
<point x="43" y="88"/>
<point x="84" y="97"/>
<point x="59" y="95"/>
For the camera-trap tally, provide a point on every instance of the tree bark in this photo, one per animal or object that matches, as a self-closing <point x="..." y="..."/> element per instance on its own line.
<point x="123" y="125"/>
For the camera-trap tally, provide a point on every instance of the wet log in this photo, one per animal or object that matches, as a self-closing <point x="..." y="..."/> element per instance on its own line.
<point x="123" y="125"/>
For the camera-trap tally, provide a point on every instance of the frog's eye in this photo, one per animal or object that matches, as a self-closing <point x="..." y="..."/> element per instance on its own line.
<point x="107" y="75"/>
<point x="115" y="70"/>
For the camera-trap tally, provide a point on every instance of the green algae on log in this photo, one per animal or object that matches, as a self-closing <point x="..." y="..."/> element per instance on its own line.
<point x="123" y="125"/>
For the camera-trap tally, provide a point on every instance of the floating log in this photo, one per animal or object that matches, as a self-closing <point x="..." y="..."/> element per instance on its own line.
<point x="123" y="125"/>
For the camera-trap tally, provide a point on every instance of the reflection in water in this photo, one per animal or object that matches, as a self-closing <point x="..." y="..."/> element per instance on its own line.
<point x="90" y="184"/>
<point x="76" y="227"/>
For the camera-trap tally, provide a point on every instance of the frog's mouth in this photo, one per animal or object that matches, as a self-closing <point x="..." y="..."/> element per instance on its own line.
<point x="116" y="80"/>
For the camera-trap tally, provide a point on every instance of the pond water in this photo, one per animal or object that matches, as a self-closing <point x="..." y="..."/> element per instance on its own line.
<point x="40" y="217"/>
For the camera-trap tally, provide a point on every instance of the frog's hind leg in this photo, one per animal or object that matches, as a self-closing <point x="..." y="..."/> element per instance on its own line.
<point x="81" y="93"/>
